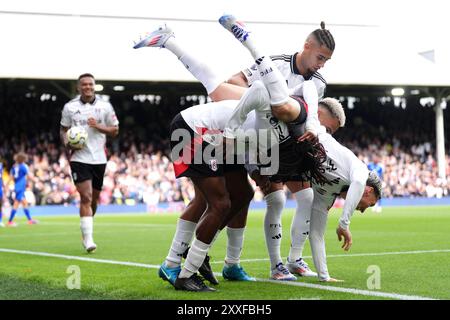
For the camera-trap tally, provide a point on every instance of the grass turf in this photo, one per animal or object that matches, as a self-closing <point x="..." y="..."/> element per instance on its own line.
<point x="145" y="239"/>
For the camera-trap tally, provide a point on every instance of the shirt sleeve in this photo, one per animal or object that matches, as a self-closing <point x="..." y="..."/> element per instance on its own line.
<point x="358" y="178"/>
<point x="321" y="91"/>
<point x="65" y="117"/>
<point x="111" y="118"/>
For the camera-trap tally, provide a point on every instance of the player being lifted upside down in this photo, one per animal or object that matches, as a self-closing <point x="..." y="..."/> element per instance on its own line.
<point x="203" y="114"/>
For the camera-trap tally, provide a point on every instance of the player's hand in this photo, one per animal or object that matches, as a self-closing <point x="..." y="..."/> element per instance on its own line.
<point x="92" y="122"/>
<point x="73" y="148"/>
<point x="347" y="235"/>
<point x="308" y="136"/>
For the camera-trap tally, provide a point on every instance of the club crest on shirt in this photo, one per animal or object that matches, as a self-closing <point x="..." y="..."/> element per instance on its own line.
<point x="213" y="164"/>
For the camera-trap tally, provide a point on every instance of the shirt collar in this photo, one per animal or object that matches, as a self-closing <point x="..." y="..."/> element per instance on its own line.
<point x="294" y="68"/>
<point x="92" y="103"/>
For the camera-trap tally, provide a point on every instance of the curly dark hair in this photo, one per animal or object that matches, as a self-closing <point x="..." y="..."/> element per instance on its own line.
<point x="303" y="158"/>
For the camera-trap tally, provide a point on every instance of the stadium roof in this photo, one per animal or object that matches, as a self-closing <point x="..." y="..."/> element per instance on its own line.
<point x="374" y="46"/>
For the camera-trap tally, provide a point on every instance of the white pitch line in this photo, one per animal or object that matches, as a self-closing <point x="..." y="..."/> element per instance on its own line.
<point x="47" y="234"/>
<point x="298" y="284"/>
<point x="62" y="256"/>
<point x="110" y="224"/>
<point x="349" y="290"/>
<point x="355" y="255"/>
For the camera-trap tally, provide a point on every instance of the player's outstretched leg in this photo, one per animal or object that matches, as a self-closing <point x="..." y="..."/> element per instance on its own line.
<point x="164" y="37"/>
<point x="270" y="75"/>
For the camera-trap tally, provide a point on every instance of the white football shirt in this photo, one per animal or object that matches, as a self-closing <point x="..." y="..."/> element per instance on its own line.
<point x="286" y="64"/>
<point x="342" y="169"/>
<point x="209" y="119"/>
<point x="249" y="119"/>
<point x="77" y="113"/>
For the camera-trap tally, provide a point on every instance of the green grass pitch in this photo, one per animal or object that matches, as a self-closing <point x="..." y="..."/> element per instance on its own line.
<point x="409" y="246"/>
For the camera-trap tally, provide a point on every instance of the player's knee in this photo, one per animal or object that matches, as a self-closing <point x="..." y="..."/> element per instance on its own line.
<point x="276" y="200"/>
<point x="221" y="205"/>
<point x="198" y="203"/>
<point x="283" y="113"/>
<point x="86" y="198"/>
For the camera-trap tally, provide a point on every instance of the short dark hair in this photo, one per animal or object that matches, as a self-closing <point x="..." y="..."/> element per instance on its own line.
<point x="20" y="157"/>
<point x="324" y="36"/>
<point x="85" y="75"/>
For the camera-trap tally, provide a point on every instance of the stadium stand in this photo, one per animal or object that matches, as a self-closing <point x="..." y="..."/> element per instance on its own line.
<point x="139" y="170"/>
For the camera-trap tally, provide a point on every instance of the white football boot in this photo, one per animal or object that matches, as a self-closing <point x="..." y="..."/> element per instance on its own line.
<point x="156" y="38"/>
<point x="90" y="246"/>
<point x="301" y="268"/>
<point x="281" y="273"/>
<point x="237" y="28"/>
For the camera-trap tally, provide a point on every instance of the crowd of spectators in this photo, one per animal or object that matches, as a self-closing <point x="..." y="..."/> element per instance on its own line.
<point x="139" y="169"/>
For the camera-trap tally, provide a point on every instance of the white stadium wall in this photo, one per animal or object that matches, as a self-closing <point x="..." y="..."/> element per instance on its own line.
<point x="63" y="45"/>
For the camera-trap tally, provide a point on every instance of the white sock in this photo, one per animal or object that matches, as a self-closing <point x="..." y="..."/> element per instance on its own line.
<point x="201" y="72"/>
<point x="173" y="46"/>
<point x="269" y="74"/>
<point x="234" y="245"/>
<point x="195" y="258"/>
<point x="272" y="225"/>
<point x="300" y="223"/>
<point x="181" y="240"/>
<point x="250" y="45"/>
<point x="87" y="228"/>
<point x="273" y="80"/>
<point x="197" y="68"/>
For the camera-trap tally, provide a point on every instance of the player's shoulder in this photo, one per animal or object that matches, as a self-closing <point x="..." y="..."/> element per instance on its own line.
<point x="284" y="62"/>
<point x="282" y="57"/>
<point x="72" y="103"/>
<point x="319" y="79"/>
<point x="100" y="102"/>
